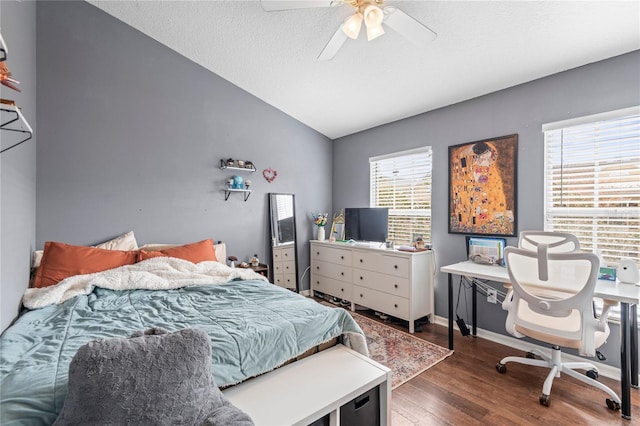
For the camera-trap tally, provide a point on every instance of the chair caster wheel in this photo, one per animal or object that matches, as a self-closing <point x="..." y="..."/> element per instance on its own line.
<point x="592" y="374"/>
<point x="612" y="405"/>
<point x="545" y="400"/>
<point x="531" y="355"/>
<point x="502" y="368"/>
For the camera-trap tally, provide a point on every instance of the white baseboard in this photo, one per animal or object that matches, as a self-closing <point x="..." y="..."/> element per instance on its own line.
<point x="306" y="293"/>
<point x="603" y="369"/>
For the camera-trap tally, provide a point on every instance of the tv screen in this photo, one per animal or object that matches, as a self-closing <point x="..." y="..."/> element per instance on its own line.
<point x="366" y="223"/>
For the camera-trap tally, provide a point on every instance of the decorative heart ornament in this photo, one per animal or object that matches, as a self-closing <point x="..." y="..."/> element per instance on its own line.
<point x="269" y="174"/>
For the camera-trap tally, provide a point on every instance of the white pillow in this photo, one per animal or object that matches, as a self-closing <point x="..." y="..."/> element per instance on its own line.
<point x="122" y="242"/>
<point x="219" y="248"/>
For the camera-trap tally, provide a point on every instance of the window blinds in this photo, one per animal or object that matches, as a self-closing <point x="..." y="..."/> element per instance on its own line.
<point x="402" y="182"/>
<point x="592" y="184"/>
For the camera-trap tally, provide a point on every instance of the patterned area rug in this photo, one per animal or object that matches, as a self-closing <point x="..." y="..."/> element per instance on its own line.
<point x="406" y="355"/>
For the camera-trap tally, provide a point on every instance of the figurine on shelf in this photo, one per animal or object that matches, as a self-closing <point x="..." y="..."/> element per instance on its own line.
<point x="255" y="261"/>
<point x="232" y="261"/>
<point x="419" y="244"/>
<point x="248" y="164"/>
<point x="238" y="182"/>
<point x="230" y="183"/>
<point x="240" y="163"/>
<point x="230" y="162"/>
<point x="247" y="184"/>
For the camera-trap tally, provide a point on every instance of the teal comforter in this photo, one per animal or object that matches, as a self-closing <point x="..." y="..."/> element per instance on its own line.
<point x="254" y="328"/>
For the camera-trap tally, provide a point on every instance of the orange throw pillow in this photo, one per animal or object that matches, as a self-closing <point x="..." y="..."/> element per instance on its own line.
<point x="61" y="261"/>
<point x="194" y="252"/>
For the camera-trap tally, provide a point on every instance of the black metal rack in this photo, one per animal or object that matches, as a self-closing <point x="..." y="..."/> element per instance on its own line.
<point x="12" y="120"/>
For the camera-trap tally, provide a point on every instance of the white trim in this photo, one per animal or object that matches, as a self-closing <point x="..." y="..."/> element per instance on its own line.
<point x="306" y="293"/>
<point x="603" y="369"/>
<point x="400" y="154"/>
<point x="591" y="118"/>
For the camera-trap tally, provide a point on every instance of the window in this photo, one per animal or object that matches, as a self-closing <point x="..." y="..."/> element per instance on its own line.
<point x="402" y="182"/>
<point x="592" y="182"/>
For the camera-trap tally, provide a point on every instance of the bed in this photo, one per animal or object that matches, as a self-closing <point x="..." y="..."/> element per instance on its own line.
<point x="254" y="326"/>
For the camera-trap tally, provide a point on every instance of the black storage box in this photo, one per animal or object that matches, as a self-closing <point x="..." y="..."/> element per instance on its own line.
<point x="363" y="410"/>
<point x="322" y="421"/>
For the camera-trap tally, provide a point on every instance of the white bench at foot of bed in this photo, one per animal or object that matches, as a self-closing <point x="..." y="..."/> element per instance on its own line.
<point x="307" y="390"/>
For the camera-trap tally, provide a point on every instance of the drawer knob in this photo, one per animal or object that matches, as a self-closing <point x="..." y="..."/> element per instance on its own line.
<point x="395" y="266"/>
<point x="361" y="260"/>
<point x="317" y="267"/>
<point x="318" y="253"/>
<point x="286" y="254"/>
<point x="395" y="305"/>
<point x="361" y="278"/>
<point x="318" y="282"/>
<point x="342" y="273"/>
<point x="342" y="257"/>
<point x="342" y="289"/>
<point x="395" y="286"/>
<point x="361" y="295"/>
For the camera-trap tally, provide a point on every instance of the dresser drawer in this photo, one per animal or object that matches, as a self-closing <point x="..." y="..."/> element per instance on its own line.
<point x="379" y="301"/>
<point x="289" y="281"/>
<point x="391" y="265"/>
<point x="331" y="254"/>
<point x="289" y="267"/>
<point x="283" y="254"/>
<point x="278" y="279"/>
<point x="331" y="270"/>
<point x="386" y="283"/>
<point x="332" y="287"/>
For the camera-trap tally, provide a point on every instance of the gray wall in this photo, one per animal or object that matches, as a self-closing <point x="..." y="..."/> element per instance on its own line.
<point x="18" y="165"/>
<point x="598" y="87"/>
<point x="132" y="134"/>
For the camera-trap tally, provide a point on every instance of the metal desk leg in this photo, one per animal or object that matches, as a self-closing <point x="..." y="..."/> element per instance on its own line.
<point x="474" y="304"/>
<point x="634" y="346"/>
<point x="450" y="312"/>
<point x="625" y="370"/>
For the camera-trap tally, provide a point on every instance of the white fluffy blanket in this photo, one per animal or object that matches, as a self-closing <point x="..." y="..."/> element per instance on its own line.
<point x="158" y="273"/>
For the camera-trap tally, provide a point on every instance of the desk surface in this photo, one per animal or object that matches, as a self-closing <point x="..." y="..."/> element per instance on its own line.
<point x="616" y="291"/>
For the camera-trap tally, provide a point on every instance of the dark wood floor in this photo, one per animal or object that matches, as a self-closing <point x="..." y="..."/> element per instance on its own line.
<point x="466" y="389"/>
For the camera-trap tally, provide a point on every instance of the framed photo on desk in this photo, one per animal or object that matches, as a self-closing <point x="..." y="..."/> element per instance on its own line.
<point x="482" y="187"/>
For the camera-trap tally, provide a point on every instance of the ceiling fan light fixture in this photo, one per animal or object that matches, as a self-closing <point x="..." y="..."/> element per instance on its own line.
<point x="352" y="25"/>
<point x="373" y="17"/>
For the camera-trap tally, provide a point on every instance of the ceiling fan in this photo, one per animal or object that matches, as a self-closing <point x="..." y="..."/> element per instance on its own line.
<point x="371" y="12"/>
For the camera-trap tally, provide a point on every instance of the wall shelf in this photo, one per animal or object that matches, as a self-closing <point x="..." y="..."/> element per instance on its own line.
<point x="12" y="120"/>
<point x="250" y="169"/>
<point x="228" y="191"/>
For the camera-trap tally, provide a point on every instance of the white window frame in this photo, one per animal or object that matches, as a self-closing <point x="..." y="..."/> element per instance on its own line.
<point x="393" y="209"/>
<point x="553" y="213"/>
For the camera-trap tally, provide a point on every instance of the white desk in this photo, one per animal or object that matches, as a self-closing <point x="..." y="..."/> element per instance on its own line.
<point x="627" y="294"/>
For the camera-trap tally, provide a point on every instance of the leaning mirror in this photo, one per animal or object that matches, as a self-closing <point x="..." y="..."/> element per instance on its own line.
<point x="337" y="227"/>
<point x="283" y="240"/>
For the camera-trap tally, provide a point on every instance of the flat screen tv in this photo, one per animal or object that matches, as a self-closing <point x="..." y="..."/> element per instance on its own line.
<point x="366" y="224"/>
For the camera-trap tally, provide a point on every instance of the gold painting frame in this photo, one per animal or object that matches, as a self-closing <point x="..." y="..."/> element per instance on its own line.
<point x="483" y="187"/>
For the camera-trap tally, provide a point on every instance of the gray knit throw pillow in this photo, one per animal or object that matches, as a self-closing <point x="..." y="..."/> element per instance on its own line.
<point x="152" y="378"/>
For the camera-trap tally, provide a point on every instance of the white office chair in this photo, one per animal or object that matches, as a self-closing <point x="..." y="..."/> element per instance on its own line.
<point x="557" y="242"/>
<point x="551" y="301"/>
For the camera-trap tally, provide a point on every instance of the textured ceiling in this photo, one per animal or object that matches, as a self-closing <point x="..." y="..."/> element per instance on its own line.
<point x="482" y="47"/>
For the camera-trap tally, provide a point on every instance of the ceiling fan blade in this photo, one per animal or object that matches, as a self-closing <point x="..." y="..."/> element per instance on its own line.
<point x="332" y="47"/>
<point x="275" y="5"/>
<point x="409" y="28"/>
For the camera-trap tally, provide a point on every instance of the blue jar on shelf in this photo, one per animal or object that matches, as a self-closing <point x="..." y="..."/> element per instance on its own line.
<point x="238" y="182"/>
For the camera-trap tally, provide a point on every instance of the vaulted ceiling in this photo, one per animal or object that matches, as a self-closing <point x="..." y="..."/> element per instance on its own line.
<point x="481" y="47"/>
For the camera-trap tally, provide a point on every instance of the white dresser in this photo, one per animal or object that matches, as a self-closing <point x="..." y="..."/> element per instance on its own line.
<point x="284" y="266"/>
<point x="393" y="282"/>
